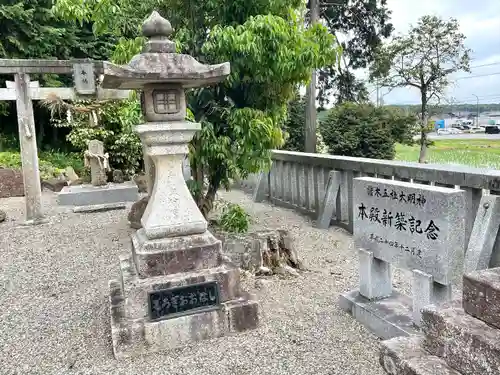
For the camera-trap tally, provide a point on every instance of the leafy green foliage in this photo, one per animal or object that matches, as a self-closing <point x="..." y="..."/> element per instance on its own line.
<point x="8" y="142"/>
<point x="270" y="51"/>
<point x="30" y="30"/>
<point x="364" y="24"/>
<point x="233" y="219"/>
<point x="423" y="60"/>
<point x="294" y="127"/>
<point x="51" y="164"/>
<point x="115" y="130"/>
<point x="363" y="130"/>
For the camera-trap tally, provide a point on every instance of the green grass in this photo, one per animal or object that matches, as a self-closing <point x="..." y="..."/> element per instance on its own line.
<point x="480" y="153"/>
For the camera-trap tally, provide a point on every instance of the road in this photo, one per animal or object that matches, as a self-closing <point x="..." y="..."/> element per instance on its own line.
<point x="434" y="136"/>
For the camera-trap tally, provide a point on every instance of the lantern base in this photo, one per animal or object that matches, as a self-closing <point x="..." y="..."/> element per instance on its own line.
<point x="172" y="255"/>
<point x="141" y="326"/>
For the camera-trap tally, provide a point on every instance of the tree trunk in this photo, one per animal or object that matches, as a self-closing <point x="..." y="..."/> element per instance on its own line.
<point x="423" y="128"/>
<point x="423" y="147"/>
<point x="208" y="200"/>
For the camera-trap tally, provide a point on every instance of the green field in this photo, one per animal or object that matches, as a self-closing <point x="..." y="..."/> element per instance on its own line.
<point x="480" y="153"/>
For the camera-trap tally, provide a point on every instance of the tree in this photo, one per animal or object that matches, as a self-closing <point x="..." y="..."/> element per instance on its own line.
<point x="363" y="24"/>
<point x="294" y="126"/>
<point x="270" y="52"/>
<point x="30" y="30"/>
<point x="364" y="130"/>
<point x="423" y="59"/>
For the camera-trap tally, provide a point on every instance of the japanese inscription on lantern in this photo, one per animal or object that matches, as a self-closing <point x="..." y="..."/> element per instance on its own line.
<point x="183" y="300"/>
<point x="411" y="226"/>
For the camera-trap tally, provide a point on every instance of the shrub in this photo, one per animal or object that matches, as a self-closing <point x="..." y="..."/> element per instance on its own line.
<point x="50" y="164"/>
<point x="115" y="122"/>
<point x="294" y="128"/>
<point x="363" y="130"/>
<point x="234" y="219"/>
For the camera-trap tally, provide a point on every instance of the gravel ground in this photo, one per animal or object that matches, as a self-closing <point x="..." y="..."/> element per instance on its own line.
<point x="54" y="315"/>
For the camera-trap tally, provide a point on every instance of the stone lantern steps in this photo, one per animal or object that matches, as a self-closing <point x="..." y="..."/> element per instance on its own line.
<point x="456" y="340"/>
<point x="464" y="342"/>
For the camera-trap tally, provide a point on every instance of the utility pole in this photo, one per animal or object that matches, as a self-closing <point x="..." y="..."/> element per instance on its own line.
<point x="310" y="130"/>
<point x="378" y="100"/>
<point x="477" y="109"/>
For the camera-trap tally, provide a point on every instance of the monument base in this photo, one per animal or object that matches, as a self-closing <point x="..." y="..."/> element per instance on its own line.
<point x="386" y="318"/>
<point x="89" y="195"/>
<point x="136" y="329"/>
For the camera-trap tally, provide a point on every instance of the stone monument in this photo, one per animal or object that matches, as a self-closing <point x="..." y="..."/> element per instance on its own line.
<point x="416" y="227"/>
<point x="97" y="161"/>
<point x="175" y="286"/>
<point x="100" y="195"/>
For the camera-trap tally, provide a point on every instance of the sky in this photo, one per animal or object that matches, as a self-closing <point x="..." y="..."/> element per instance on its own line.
<point x="480" y="22"/>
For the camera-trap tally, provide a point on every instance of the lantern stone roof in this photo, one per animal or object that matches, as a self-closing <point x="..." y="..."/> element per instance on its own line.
<point x="158" y="63"/>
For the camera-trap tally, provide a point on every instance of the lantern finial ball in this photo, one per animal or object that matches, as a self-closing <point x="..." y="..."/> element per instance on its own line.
<point x="156" y="26"/>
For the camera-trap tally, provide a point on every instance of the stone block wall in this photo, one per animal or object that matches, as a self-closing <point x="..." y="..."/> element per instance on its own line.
<point x="461" y="338"/>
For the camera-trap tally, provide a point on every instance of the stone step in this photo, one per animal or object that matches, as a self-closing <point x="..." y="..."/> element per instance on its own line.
<point x="467" y="344"/>
<point x="166" y="256"/>
<point x="405" y="356"/>
<point x="481" y="295"/>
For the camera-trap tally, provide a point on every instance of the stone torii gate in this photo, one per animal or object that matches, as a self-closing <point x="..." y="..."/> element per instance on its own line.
<point x="24" y="91"/>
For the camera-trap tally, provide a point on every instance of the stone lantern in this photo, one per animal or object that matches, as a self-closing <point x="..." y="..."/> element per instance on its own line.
<point x="175" y="287"/>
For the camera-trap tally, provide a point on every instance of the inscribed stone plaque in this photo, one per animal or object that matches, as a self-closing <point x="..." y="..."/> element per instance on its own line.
<point x="83" y="74"/>
<point x="411" y="226"/>
<point x="169" y="303"/>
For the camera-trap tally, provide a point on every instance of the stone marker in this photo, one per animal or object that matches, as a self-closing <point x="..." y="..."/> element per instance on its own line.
<point x="136" y="212"/>
<point x="175" y="287"/>
<point x="417" y="227"/>
<point x="97" y="160"/>
<point x="71" y="176"/>
<point x="411" y="226"/>
<point x="484" y="234"/>
<point x="329" y="203"/>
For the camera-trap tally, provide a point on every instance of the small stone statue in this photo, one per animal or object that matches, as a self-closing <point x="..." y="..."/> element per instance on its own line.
<point x="97" y="160"/>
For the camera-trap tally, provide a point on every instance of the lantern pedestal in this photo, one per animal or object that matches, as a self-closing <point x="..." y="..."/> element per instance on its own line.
<point x="220" y="307"/>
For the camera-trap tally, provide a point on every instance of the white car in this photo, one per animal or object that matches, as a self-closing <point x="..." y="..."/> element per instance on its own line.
<point x="443" y="132"/>
<point x="477" y="129"/>
<point x="455" y="131"/>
